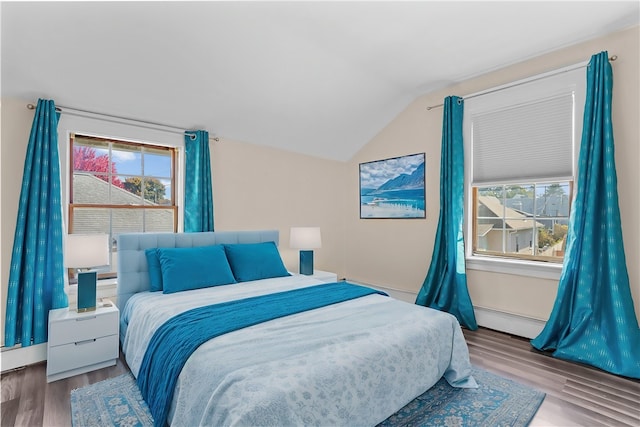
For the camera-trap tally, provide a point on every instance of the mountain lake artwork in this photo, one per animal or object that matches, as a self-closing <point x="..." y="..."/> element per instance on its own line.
<point x="393" y="188"/>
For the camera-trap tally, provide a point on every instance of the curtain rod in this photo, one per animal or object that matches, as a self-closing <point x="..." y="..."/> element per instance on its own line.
<point x="532" y="79"/>
<point x="168" y="128"/>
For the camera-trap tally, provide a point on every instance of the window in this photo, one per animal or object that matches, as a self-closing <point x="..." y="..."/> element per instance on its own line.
<point x="521" y="144"/>
<point x="527" y="221"/>
<point x="120" y="187"/>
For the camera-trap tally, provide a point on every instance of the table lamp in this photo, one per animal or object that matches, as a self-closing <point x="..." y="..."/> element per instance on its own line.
<point x="306" y="239"/>
<point x="84" y="252"/>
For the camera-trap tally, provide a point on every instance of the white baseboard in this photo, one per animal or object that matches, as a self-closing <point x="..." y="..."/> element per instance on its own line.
<point x="514" y="324"/>
<point x="17" y="357"/>
<point x="509" y="323"/>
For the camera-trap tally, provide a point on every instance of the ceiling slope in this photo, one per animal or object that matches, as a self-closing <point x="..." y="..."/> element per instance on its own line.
<point x="319" y="78"/>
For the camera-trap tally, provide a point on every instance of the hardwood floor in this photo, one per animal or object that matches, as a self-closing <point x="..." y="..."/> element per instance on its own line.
<point x="28" y="400"/>
<point x="577" y="395"/>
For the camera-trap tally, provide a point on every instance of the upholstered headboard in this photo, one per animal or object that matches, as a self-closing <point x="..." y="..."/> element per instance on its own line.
<point x="133" y="274"/>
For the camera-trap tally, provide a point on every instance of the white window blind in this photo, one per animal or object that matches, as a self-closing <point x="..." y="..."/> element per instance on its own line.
<point x="526" y="133"/>
<point x="527" y="141"/>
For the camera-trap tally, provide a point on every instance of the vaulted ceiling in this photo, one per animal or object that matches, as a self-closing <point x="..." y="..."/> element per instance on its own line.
<point x="319" y="78"/>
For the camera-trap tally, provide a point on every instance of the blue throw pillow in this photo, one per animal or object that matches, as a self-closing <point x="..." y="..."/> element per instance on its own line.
<point x="255" y="261"/>
<point x="193" y="268"/>
<point x="155" y="271"/>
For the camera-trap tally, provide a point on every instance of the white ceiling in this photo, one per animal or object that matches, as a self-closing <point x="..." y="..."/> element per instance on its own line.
<point x="320" y="78"/>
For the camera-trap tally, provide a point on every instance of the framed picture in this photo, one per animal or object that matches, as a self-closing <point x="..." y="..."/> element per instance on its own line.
<point x="393" y="188"/>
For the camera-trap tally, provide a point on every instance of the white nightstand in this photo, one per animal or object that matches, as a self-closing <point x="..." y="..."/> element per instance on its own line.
<point x="81" y="342"/>
<point x="325" y="276"/>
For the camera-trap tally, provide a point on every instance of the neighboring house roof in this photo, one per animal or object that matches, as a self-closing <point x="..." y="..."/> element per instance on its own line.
<point x="89" y="189"/>
<point x="513" y="222"/>
<point x="544" y="205"/>
<point x="483" y="229"/>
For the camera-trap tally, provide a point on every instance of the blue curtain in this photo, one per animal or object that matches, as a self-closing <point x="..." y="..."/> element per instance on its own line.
<point x="445" y="287"/>
<point x="36" y="277"/>
<point x="198" y="193"/>
<point x="593" y="320"/>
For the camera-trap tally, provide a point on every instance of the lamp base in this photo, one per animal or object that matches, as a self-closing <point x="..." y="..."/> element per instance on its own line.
<point x="87" y="291"/>
<point x="306" y="263"/>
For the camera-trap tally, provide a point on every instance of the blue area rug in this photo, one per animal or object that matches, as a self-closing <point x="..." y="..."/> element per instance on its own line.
<point x="113" y="402"/>
<point x="497" y="402"/>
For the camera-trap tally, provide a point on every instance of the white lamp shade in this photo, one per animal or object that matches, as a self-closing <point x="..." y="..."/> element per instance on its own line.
<point x="305" y="238"/>
<point x="86" y="250"/>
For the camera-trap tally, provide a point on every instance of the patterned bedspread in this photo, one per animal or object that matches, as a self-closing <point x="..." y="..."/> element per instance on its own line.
<point x="352" y="363"/>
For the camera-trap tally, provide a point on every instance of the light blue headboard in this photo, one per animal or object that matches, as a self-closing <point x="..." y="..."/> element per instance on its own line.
<point x="133" y="275"/>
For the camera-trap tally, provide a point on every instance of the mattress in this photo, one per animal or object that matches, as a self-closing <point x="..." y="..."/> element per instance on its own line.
<point x="351" y="363"/>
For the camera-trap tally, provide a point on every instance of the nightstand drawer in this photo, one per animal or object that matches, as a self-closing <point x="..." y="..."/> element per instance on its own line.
<point x="82" y="353"/>
<point x="84" y="327"/>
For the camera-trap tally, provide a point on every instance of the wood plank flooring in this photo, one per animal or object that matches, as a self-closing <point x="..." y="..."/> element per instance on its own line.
<point x="577" y="395"/>
<point x="28" y="400"/>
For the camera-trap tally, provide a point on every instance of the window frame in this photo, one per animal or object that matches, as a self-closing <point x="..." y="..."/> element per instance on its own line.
<point x="72" y="206"/>
<point x="95" y="125"/>
<point x="525" y="90"/>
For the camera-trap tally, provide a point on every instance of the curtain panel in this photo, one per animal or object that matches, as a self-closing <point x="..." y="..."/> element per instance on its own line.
<point x="593" y="320"/>
<point x="198" y="191"/>
<point x="445" y="287"/>
<point x="36" y="276"/>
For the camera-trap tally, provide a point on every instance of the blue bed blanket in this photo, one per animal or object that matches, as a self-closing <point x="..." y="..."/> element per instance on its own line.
<point x="173" y="343"/>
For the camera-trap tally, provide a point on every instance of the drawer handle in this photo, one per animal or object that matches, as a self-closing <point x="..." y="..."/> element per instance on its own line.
<point x="82" y="319"/>
<point x="85" y="342"/>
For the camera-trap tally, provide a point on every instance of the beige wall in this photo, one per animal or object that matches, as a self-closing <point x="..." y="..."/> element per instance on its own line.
<point x="258" y="187"/>
<point x="396" y="253"/>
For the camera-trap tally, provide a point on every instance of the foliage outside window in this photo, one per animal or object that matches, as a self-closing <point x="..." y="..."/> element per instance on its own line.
<point x="525" y="221"/>
<point x="120" y="187"/>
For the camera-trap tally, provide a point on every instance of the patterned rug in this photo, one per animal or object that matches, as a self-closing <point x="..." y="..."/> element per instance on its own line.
<point x="497" y="402"/>
<point x="113" y="402"/>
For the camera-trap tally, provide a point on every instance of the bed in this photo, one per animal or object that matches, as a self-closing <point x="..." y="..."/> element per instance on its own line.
<point x="306" y="353"/>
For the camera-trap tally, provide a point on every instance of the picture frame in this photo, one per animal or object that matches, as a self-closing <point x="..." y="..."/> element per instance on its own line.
<point x="393" y="188"/>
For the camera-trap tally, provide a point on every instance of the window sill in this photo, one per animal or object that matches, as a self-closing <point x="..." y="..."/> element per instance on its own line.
<point x="540" y="270"/>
